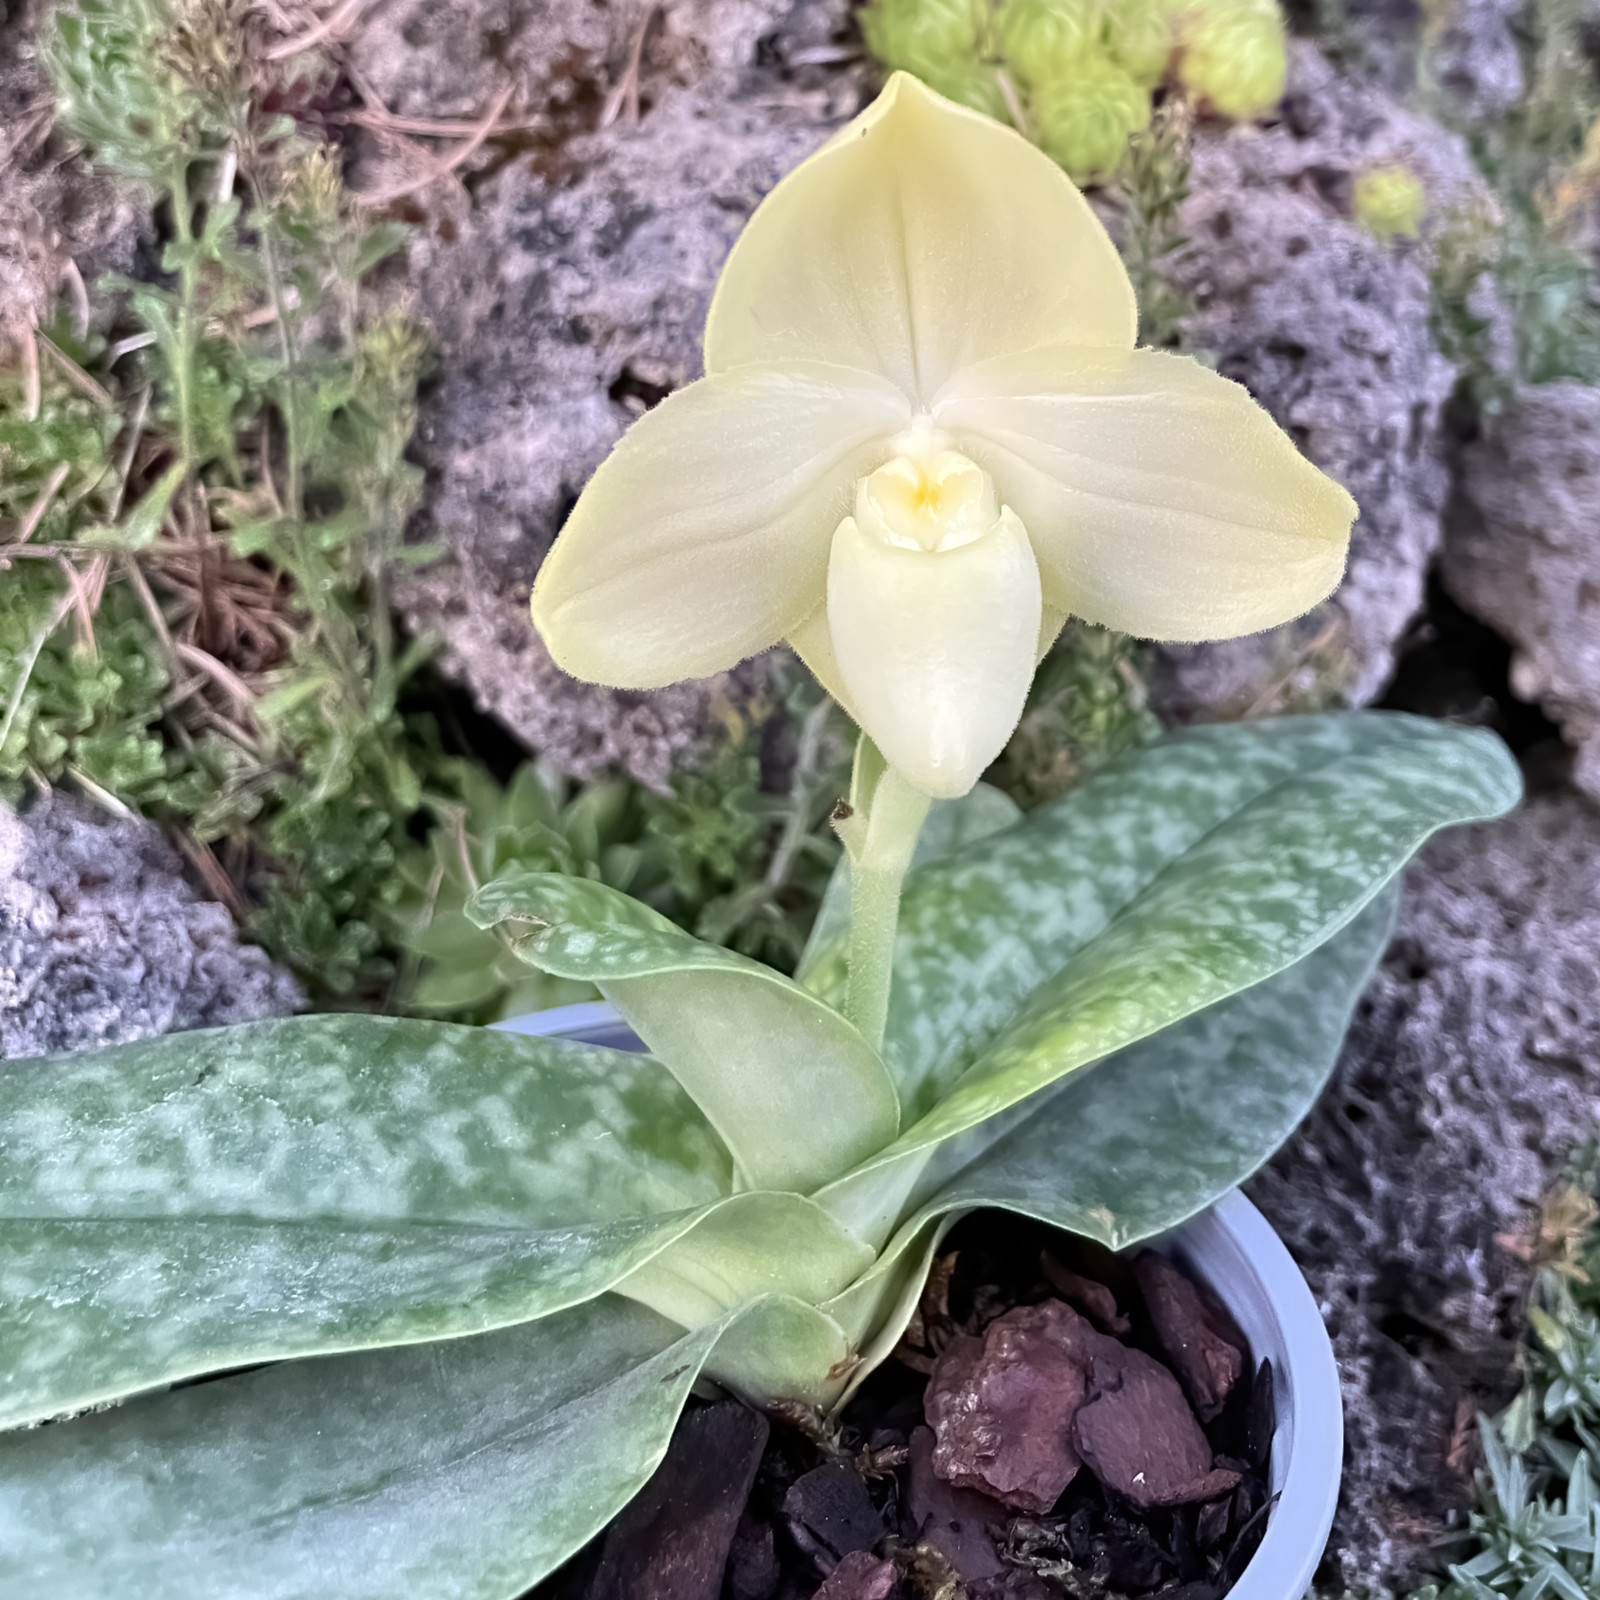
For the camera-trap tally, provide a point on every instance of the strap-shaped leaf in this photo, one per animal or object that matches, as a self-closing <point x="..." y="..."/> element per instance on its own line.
<point x="1152" y="1135"/>
<point x="206" y="1200"/>
<point x="468" y="1468"/>
<point x="794" y="1090"/>
<point x="1175" y="877"/>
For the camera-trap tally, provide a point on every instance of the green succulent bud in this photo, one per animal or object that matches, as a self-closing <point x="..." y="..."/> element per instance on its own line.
<point x="1141" y="37"/>
<point x="1389" y="201"/>
<point x="1043" y="40"/>
<point x="1086" y="118"/>
<point x="931" y="38"/>
<point x="972" y="83"/>
<point x="1234" y="56"/>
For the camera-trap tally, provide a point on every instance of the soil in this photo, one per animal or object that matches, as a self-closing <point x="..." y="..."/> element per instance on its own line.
<point x="1068" y="1383"/>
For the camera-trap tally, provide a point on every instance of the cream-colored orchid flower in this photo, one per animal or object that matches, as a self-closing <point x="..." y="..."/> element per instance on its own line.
<point x="924" y="439"/>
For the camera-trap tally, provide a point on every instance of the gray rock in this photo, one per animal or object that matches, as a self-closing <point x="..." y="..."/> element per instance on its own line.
<point x="103" y="942"/>
<point x="1468" y="1079"/>
<point x="1328" y="328"/>
<point x="568" y="291"/>
<point x="1458" y="52"/>
<point x="1472" y="58"/>
<point x="1521" y="554"/>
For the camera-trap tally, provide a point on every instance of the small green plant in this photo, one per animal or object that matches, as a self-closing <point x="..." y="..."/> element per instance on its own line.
<point x="1151" y="183"/>
<point x="203" y="519"/>
<point x="1389" y="201"/>
<point x="1078" y="75"/>
<point x="1535" y="1530"/>
<point x="1538" y="159"/>
<point x="733" y="860"/>
<point x="1087" y="704"/>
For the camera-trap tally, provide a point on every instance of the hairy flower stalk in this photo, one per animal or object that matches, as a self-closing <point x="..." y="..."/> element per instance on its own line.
<point x="923" y="440"/>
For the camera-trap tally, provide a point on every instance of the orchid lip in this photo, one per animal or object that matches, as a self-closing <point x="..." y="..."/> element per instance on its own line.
<point x="930" y="498"/>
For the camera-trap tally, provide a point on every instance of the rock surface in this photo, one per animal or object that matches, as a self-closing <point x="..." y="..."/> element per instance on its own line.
<point x="1521" y="554"/>
<point x="1468" y="1079"/>
<point x="568" y="289"/>
<point x="103" y="942"/>
<point x="1473" y="58"/>
<point x="1329" y="329"/>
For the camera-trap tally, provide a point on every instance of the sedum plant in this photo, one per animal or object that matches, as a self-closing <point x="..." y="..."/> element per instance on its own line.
<point x="1079" y="74"/>
<point x="477" y="1275"/>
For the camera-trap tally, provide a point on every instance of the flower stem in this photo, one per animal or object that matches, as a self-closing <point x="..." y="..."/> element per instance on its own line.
<point x="881" y="834"/>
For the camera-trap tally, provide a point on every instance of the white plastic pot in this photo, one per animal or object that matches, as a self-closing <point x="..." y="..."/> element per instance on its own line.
<point x="1232" y="1249"/>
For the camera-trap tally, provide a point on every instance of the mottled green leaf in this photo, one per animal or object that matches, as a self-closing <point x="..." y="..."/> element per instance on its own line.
<point x="1178" y="875"/>
<point x="796" y="1093"/>
<point x="461" y="1470"/>
<point x="1158" y="1131"/>
<point x="1150" y="1136"/>
<point x="211" y="1199"/>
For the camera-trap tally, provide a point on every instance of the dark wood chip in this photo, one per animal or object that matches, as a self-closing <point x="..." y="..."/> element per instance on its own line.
<point x="1261" y="1419"/>
<point x="1200" y="1344"/>
<point x="830" y="1514"/>
<point x="753" y="1569"/>
<point x="1002" y="1406"/>
<point x="1139" y="1437"/>
<point x="1211" y="1523"/>
<point x="1094" y="1299"/>
<point x="859" y="1576"/>
<point x="671" y="1542"/>
<point x="966" y="1528"/>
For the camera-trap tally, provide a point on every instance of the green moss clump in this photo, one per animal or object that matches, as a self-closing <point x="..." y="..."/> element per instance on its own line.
<point x="1233" y="55"/>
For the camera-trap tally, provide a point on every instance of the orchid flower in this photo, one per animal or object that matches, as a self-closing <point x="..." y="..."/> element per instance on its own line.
<point x="923" y="440"/>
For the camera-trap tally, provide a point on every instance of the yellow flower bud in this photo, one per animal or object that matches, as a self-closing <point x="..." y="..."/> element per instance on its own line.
<point x="1086" y="118"/>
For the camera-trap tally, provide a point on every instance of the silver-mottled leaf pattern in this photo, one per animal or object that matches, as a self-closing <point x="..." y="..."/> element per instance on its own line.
<point x="206" y="1200"/>
<point x="462" y="1470"/>
<point x="794" y="1090"/>
<point x="1176" y="876"/>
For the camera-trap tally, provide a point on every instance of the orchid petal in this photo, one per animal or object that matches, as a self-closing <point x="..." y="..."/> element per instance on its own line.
<point x="812" y="642"/>
<point x="1160" y="498"/>
<point x="922" y="238"/>
<point x="703" y="538"/>
<point x="935" y="649"/>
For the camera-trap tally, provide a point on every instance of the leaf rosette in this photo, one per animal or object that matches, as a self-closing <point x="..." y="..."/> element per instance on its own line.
<point x="489" y="1268"/>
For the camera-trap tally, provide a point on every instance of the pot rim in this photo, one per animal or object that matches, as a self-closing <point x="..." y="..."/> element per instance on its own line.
<point x="1266" y="1293"/>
